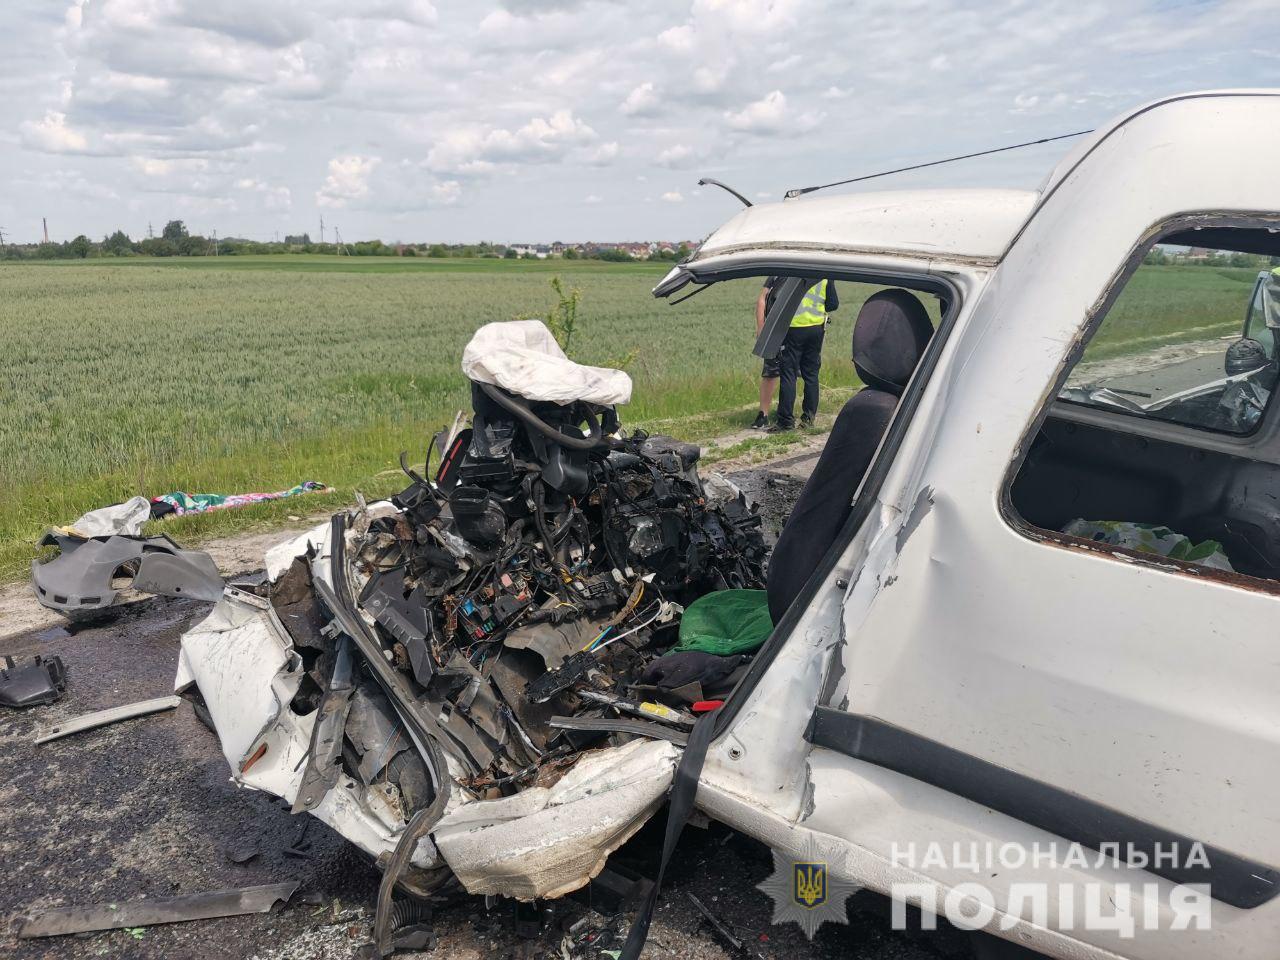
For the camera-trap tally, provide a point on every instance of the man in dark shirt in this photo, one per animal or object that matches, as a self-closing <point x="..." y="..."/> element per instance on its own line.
<point x="801" y="354"/>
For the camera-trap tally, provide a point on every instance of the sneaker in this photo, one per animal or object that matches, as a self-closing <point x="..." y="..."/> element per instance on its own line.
<point x="780" y="428"/>
<point x="806" y="422"/>
<point x="761" y="421"/>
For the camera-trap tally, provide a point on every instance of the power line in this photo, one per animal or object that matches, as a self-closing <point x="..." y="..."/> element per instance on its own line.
<point x="934" y="163"/>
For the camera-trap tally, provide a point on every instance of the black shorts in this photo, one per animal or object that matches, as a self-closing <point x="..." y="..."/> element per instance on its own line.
<point x="772" y="369"/>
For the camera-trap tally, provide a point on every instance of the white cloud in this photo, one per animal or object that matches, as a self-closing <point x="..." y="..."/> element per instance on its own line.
<point x="500" y="116"/>
<point x="271" y="197"/>
<point x="592" y="198"/>
<point x="767" y="115"/>
<point x="641" y="101"/>
<point x="679" y="39"/>
<point x="446" y="192"/>
<point x="420" y="13"/>
<point x="771" y="115"/>
<point x="678" y="156"/>
<point x="603" y="155"/>
<point x="673" y="196"/>
<point x="542" y="140"/>
<point x="348" y="180"/>
<point x="748" y="16"/>
<point x="53" y="135"/>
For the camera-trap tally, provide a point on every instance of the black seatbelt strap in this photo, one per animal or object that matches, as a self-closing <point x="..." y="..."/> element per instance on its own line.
<point x="684" y="788"/>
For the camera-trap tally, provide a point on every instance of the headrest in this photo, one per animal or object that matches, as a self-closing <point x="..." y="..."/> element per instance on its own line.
<point x="522" y="357"/>
<point x="889" y="338"/>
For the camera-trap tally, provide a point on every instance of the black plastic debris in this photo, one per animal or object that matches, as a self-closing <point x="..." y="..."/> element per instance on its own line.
<point x="242" y="850"/>
<point x="29" y="683"/>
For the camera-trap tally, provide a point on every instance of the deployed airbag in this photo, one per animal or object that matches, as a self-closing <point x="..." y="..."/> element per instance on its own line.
<point x="522" y="357"/>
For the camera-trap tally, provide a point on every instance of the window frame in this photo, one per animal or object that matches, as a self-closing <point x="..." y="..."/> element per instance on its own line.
<point x="1263" y="444"/>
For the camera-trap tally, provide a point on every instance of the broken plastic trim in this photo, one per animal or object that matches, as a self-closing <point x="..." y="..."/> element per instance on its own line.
<point x="80" y="577"/>
<point x="677" y="279"/>
<point x="61" y="921"/>
<point x="778" y="322"/>
<point x="641" y="728"/>
<point x="102" y="718"/>
<point x="29" y="683"/>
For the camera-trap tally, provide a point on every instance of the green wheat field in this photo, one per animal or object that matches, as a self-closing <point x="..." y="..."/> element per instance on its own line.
<point x="241" y="374"/>
<point x="139" y="376"/>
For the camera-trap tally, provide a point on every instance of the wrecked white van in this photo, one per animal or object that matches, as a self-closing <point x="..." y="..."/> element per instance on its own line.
<point x="1032" y="685"/>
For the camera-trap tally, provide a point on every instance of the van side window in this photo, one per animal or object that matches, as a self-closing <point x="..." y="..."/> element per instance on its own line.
<point x="1159" y="440"/>
<point x="1187" y="341"/>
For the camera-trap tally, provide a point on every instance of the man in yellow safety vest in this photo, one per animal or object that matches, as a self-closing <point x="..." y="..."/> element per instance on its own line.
<point x="800" y="357"/>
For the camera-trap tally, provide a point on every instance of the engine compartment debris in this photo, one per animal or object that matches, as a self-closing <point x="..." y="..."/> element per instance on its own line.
<point x="529" y="580"/>
<point x="461" y="679"/>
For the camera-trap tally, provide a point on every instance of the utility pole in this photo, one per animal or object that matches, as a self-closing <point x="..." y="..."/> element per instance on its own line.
<point x="150" y="233"/>
<point x="45" y="223"/>
<point x="1" y="236"/>
<point x="337" y="234"/>
<point x="215" y="243"/>
<point x="322" y="228"/>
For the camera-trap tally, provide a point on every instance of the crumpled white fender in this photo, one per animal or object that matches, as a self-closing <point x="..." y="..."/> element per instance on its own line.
<point x="522" y="357"/>
<point x="549" y="841"/>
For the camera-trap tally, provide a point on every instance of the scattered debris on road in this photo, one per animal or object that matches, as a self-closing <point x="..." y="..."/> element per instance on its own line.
<point x="716" y="923"/>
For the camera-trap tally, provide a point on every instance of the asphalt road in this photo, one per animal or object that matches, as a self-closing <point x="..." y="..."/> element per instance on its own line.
<point x="146" y="809"/>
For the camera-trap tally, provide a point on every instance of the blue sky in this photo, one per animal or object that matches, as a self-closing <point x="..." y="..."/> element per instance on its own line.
<point x="558" y="119"/>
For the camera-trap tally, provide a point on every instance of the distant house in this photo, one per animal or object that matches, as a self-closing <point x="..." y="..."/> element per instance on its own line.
<point x="539" y="250"/>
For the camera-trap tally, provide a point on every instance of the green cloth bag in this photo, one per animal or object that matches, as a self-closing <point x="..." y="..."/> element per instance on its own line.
<point x="726" y="622"/>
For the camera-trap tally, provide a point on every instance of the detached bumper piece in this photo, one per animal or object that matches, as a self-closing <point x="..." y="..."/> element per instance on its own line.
<point x="29" y="683"/>
<point x="88" y="573"/>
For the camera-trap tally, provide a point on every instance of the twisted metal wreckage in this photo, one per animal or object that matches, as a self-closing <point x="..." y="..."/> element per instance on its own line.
<point x="458" y="679"/>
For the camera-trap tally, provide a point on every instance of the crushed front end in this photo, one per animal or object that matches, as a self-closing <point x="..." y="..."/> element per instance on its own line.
<point x="460" y="680"/>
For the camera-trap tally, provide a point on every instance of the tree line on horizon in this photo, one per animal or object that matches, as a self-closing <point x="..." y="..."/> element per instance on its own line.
<point x="175" y="240"/>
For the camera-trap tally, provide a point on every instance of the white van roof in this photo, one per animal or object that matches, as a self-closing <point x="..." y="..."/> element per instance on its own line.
<point x="971" y="225"/>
